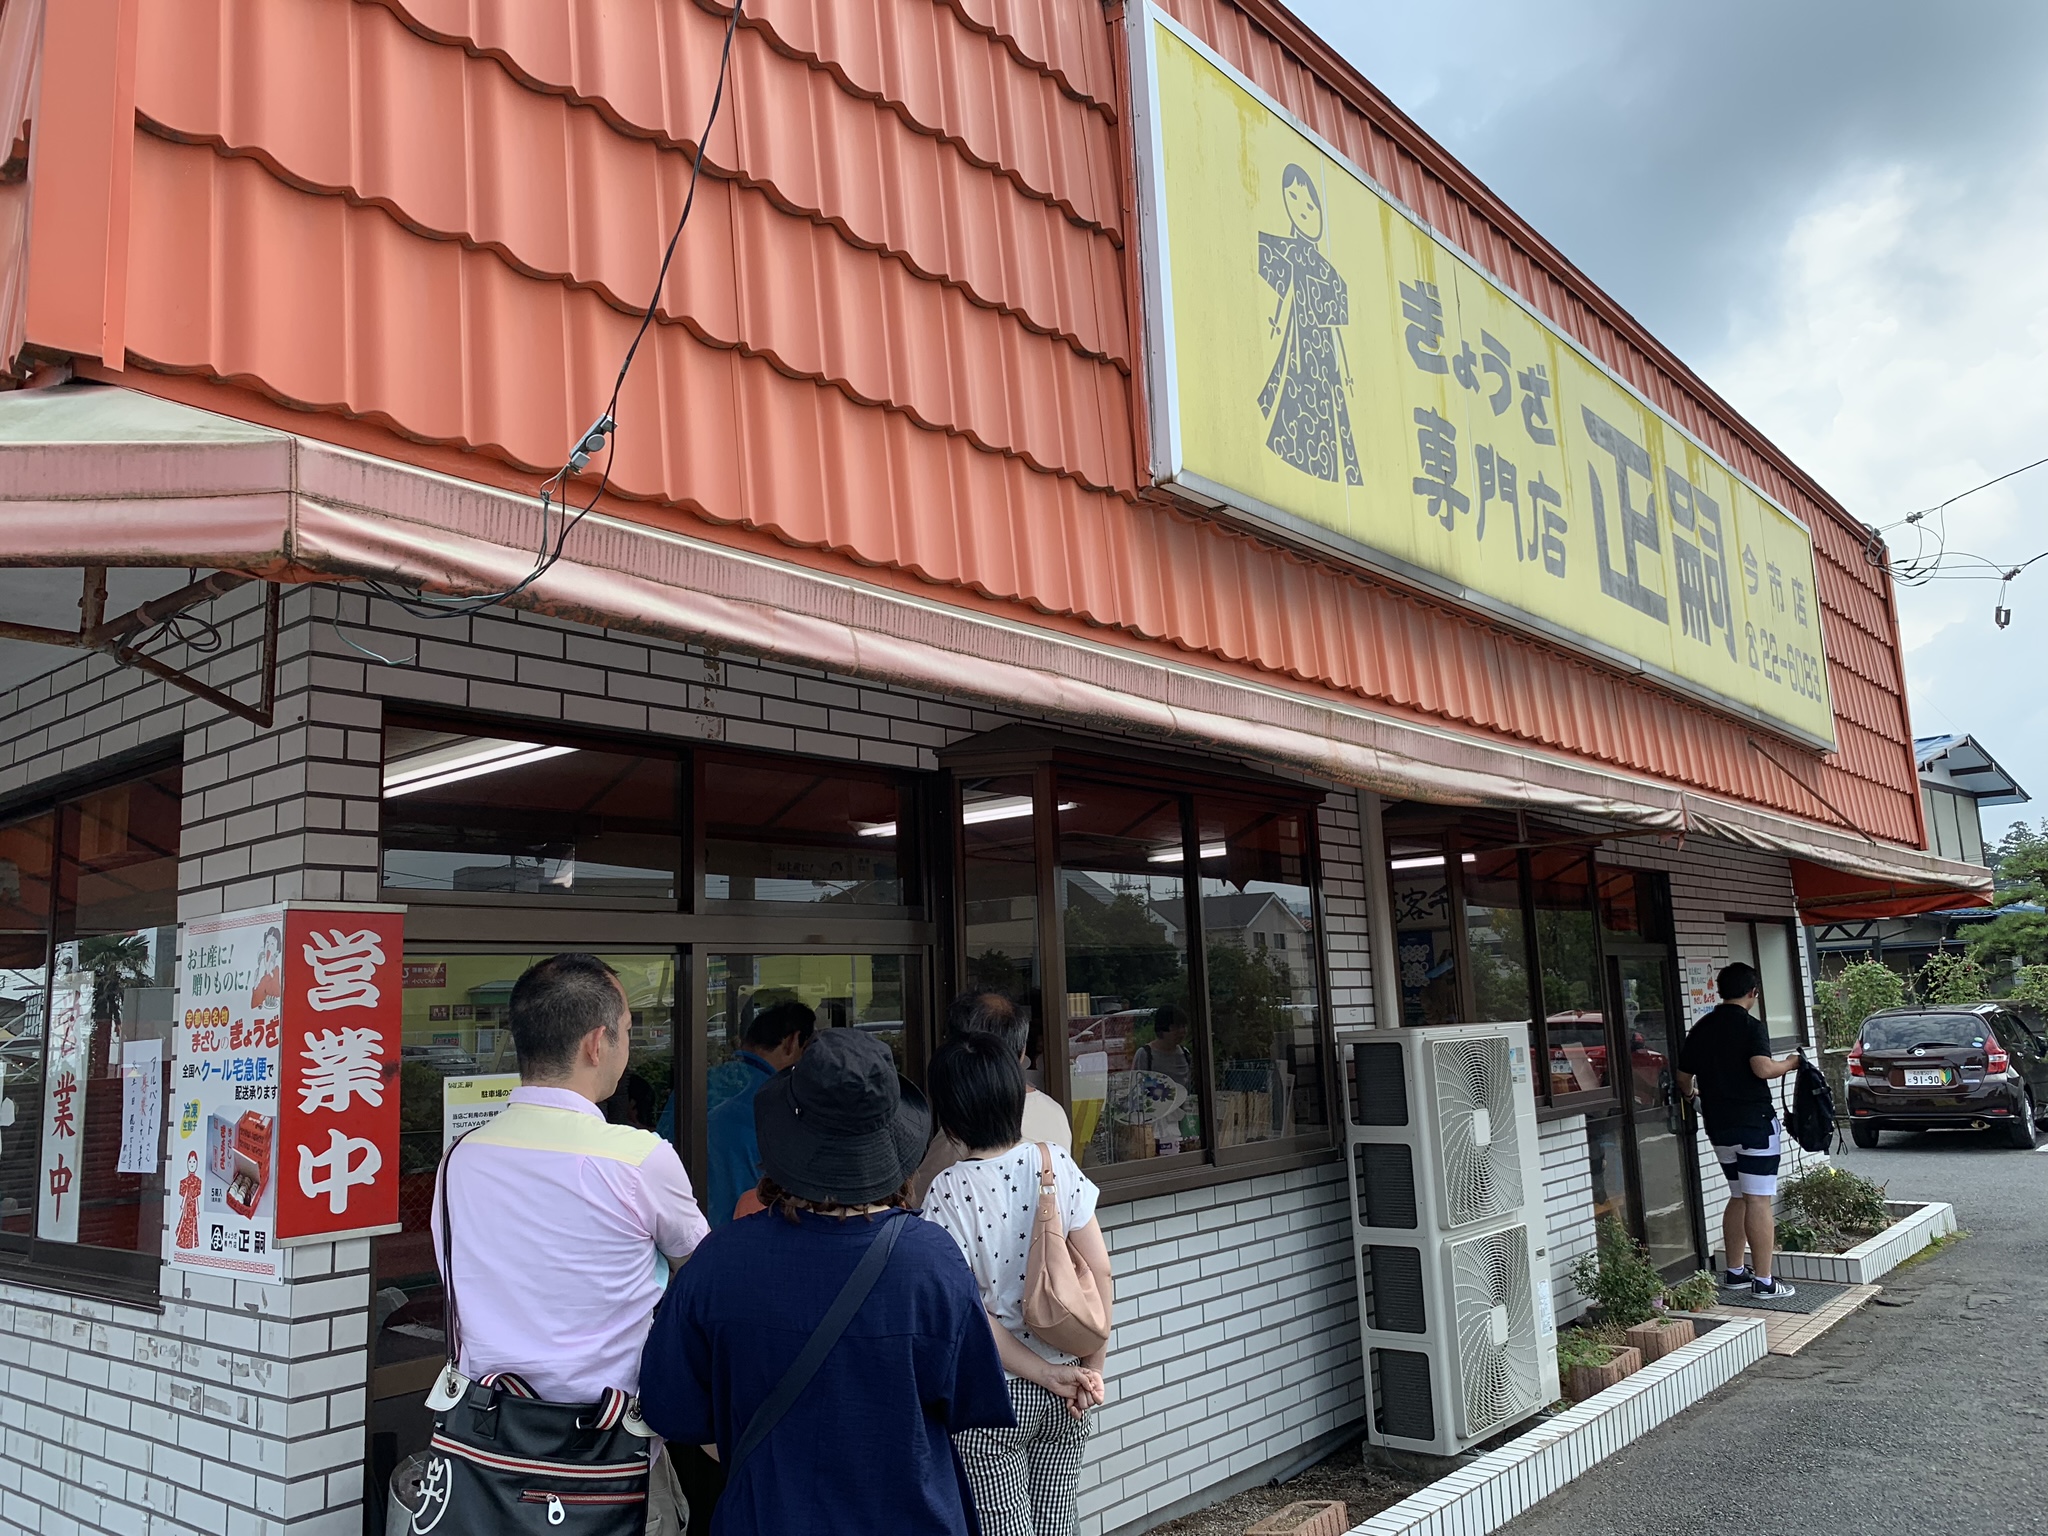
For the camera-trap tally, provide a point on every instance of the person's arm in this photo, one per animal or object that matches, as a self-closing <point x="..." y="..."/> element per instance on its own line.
<point x="1768" y="1067"/>
<point x="670" y="1205"/>
<point x="675" y="1377"/>
<point x="1684" y="1081"/>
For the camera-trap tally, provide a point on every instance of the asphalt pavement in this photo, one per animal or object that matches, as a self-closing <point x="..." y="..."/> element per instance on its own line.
<point x="1926" y="1418"/>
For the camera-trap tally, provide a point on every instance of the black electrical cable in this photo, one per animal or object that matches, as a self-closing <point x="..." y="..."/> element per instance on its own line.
<point x="603" y="433"/>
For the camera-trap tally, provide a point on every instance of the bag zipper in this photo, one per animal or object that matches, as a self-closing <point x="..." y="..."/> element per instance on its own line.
<point x="557" y="1502"/>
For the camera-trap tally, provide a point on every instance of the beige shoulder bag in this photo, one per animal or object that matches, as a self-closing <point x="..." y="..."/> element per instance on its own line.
<point x="1062" y="1303"/>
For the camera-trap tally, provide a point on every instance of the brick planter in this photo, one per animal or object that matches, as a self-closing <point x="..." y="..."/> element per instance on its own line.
<point x="1585" y="1380"/>
<point x="1915" y="1224"/>
<point x="1311" y="1517"/>
<point x="1656" y="1339"/>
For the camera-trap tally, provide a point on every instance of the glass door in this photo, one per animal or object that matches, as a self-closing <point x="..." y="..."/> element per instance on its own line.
<point x="1666" y="1163"/>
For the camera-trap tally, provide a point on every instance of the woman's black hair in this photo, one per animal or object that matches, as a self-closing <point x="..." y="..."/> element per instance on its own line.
<point x="978" y="1092"/>
<point x="1294" y="174"/>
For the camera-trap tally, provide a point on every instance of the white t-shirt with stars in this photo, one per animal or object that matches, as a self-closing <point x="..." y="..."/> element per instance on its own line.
<point x="988" y="1204"/>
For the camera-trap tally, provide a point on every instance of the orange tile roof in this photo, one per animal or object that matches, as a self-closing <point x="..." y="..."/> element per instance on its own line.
<point x="898" y="332"/>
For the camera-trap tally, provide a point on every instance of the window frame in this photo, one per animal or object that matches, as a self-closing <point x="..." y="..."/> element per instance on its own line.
<point x="1459" y="834"/>
<point x="1802" y="1032"/>
<point x="129" y="1277"/>
<point x="1044" y="756"/>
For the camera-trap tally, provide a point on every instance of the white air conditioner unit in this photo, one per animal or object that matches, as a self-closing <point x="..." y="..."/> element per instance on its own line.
<point x="1454" y="1304"/>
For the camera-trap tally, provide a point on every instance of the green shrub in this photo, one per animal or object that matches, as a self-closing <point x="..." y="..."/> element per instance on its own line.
<point x="1835" y="1197"/>
<point x="1697" y="1292"/>
<point x="1843" y="1002"/>
<point x="1619" y="1278"/>
<point x="2030" y="988"/>
<point x="1798" y="1237"/>
<point x="1951" y="979"/>
<point x="1575" y="1346"/>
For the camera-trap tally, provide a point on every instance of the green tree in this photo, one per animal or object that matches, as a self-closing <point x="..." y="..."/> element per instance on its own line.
<point x="1120" y="949"/>
<point x="117" y="961"/>
<point x="1249" y="991"/>
<point x="1949" y="979"/>
<point x="2030" y="988"/>
<point x="2019" y="878"/>
<point x="1843" y="1002"/>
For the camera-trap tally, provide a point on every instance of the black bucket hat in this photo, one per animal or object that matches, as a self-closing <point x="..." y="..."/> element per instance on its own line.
<point x="841" y="1126"/>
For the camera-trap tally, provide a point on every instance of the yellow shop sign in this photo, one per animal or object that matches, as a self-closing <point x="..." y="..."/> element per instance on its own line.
<point x="1323" y="363"/>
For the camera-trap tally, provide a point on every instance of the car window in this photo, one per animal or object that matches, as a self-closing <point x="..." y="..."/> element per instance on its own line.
<point x="2016" y="1031"/>
<point x="1903" y="1031"/>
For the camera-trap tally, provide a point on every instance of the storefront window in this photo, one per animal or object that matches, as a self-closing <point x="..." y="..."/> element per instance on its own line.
<point x="88" y="979"/>
<point x="1133" y="1053"/>
<point x="27" y="856"/>
<point x="1770" y="947"/>
<point x="871" y="993"/>
<point x="1568" y="954"/>
<point x="1260" y="965"/>
<point x="1496" y="936"/>
<point x="1424" y="937"/>
<point x="800" y="833"/>
<point x="513" y="817"/>
<point x="999" y="885"/>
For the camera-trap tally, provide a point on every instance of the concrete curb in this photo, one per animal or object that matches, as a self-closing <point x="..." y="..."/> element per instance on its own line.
<point x="1915" y="1224"/>
<point x="1500" y="1485"/>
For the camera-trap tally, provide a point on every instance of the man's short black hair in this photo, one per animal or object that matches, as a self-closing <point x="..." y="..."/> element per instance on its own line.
<point x="984" y="1011"/>
<point x="978" y="1092"/>
<point x="554" y="1005"/>
<point x="1737" y="980"/>
<point x="775" y="1024"/>
<point x="1166" y="1019"/>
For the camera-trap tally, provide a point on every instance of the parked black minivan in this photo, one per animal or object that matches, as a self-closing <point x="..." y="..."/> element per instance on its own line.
<point x="1979" y="1065"/>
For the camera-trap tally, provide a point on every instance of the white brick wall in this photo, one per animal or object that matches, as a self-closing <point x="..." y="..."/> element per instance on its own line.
<point x="1567" y="1207"/>
<point x="1236" y="1340"/>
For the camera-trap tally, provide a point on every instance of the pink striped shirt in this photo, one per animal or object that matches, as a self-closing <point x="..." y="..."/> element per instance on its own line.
<point x="558" y="1219"/>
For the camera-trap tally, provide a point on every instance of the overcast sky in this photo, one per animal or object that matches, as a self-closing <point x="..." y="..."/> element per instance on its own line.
<point x="1837" y="212"/>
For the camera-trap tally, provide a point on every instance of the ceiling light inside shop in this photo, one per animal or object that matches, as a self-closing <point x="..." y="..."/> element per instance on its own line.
<point x="469" y="758"/>
<point x="1428" y="861"/>
<point x="1175" y="855"/>
<point x="1006" y="808"/>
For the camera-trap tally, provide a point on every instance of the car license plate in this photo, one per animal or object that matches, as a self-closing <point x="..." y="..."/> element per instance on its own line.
<point x="1925" y="1077"/>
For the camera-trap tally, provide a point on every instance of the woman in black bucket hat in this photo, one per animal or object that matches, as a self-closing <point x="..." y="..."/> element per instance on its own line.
<point x="832" y="1344"/>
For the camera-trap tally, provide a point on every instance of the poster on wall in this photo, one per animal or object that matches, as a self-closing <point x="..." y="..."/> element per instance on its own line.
<point x="285" y="1072"/>
<point x="221" y="1186"/>
<point x="64" y="1074"/>
<point x="1700" y="995"/>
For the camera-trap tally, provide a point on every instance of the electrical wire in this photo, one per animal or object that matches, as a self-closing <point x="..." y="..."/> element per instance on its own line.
<point x="556" y="501"/>
<point x="1925" y="565"/>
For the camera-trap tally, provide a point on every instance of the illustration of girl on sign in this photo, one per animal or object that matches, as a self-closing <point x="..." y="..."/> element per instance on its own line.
<point x="1304" y="394"/>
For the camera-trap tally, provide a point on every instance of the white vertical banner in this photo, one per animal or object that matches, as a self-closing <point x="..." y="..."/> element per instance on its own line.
<point x="59" y="1185"/>
<point x="142" y="1107"/>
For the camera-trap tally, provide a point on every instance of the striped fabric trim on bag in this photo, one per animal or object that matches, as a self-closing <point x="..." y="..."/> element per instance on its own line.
<point x="537" y="1467"/>
<point x="516" y="1385"/>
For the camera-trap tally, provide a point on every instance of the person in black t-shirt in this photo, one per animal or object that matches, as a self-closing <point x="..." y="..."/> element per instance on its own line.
<point x="1727" y="1063"/>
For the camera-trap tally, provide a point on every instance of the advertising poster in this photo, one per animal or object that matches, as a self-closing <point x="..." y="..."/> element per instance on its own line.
<point x="343" y="1027"/>
<point x="64" y="1073"/>
<point x="1700" y="996"/>
<point x="468" y="1102"/>
<point x="221" y="1186"/>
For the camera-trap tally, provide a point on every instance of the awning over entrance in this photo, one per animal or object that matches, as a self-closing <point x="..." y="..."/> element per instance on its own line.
<point x="107" y="477"/>
<point x="1846" y="896"/>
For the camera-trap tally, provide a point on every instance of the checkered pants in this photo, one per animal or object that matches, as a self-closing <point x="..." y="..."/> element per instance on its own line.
<point x="1023" y="1478"/>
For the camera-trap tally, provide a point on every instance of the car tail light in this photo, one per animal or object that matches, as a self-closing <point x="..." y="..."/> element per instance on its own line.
<point x="1856" y="1059"/>
<point x="1995" y="1058"/>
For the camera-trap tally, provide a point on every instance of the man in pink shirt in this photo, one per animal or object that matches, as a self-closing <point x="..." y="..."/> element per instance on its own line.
<point x="560" y="1221"/>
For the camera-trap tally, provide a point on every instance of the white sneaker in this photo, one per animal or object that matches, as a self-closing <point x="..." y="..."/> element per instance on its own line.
<point x="1771" y="1292"/>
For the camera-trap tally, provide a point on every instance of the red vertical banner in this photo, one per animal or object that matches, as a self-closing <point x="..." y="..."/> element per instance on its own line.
<point x="343" y="1015"/>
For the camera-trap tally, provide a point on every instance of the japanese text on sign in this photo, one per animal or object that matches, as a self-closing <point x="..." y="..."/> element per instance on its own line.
<point x="1352" y="377"/>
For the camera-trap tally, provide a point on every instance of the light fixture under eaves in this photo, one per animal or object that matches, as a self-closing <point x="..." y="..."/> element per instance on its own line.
<point x="1175" y="855"/>
<point x="1429" y="861"/>
<point x="469" y="758"/>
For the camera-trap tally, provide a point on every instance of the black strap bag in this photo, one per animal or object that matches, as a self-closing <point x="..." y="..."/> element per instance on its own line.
<point x="1813" y="1108"/>
<point x="503" y="1461"/>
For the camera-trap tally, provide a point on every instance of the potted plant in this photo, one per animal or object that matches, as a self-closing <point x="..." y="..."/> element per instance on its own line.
<point x="1632" y="1300"/>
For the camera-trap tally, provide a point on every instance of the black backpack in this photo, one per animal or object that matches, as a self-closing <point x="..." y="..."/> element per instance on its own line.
<point x="1813" y="1108"/>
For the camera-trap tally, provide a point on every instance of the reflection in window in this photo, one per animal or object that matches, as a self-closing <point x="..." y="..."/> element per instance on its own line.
<point x="1769" y="947"/>
<point x="871" y="993"/>
<point x="1258" y="926"/>
<point x="1610" y="1179"/>
<point x="1425" y="942"/>
<point x="801" y="834"/>
<point x="999" y="886"/>
<point x="1132" y="1055"/>
<point x="27" y="854"/>
<point x="499" y="816"/>
<point x="1495" y="939"/>
<point x="1568" y="953"/>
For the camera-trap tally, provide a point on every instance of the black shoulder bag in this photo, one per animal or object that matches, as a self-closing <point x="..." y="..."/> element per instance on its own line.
<point x="503" y="1461"/>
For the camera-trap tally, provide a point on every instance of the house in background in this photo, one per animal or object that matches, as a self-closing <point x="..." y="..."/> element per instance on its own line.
<point x="1958" y="778"/>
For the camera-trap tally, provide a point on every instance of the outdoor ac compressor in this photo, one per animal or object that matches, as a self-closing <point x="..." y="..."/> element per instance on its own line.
<point x="1454" y="1302"/>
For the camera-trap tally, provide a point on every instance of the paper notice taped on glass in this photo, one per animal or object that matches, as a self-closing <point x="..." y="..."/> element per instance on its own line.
<point x="142" y="1106"/>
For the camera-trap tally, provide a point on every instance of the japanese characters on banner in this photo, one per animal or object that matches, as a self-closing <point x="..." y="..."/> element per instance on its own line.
<point x="1324" y="362"/>
<point x="344" y="1019"/>
<point x="70" y="1051"/>
<point x="285" y="1076"/>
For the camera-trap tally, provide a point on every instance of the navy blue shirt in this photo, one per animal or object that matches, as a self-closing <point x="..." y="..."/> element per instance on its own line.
<point x="867" y="1447"/>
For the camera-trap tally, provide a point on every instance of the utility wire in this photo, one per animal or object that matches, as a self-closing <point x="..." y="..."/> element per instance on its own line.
<point x="1924" y="565"/>
<point x="556" y="502"/>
